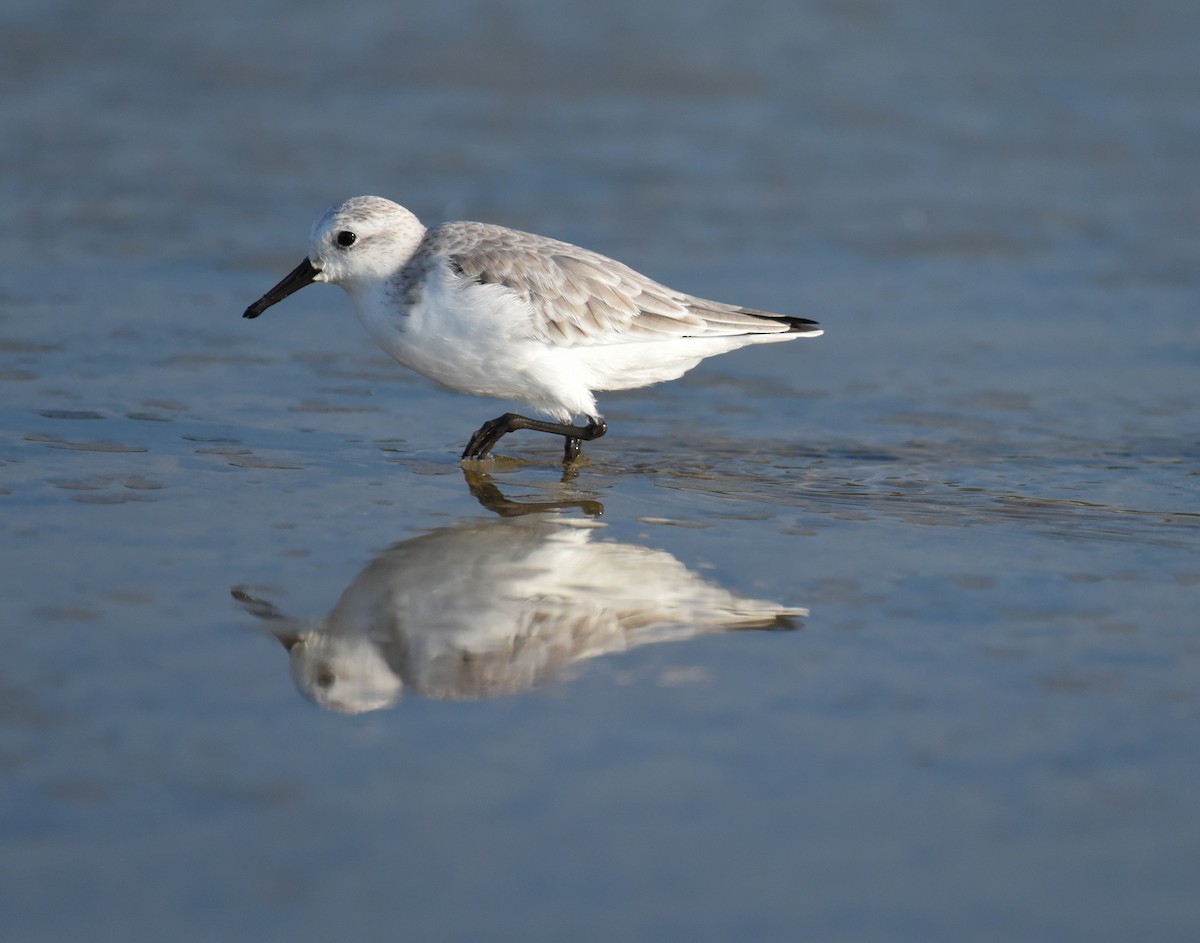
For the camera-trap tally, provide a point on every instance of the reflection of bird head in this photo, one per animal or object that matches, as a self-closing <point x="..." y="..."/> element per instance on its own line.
<point x="348" y="674"/>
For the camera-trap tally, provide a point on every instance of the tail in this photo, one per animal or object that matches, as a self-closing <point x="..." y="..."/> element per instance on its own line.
<point x="718" y="319"/>
<point x="805" y="327"/>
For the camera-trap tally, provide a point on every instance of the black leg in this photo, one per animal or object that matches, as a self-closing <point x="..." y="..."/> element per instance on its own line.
<point x="492" y="431"/>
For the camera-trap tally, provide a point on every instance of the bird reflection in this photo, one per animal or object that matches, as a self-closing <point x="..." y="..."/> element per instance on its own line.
<point x="494" y="607"/>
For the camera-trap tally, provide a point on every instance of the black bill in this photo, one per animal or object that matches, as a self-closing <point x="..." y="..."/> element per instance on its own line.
<point x="293" y="281"/>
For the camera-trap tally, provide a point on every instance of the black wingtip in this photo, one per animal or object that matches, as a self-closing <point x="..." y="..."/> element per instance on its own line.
<point x="802" y="325"/>
<point x="794" y="325"/>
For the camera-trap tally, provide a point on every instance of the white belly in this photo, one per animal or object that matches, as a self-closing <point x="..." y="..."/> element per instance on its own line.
<point x="476" y="339"/>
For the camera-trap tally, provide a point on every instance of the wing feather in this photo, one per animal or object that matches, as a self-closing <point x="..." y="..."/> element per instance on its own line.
<point x="578" y="297"/>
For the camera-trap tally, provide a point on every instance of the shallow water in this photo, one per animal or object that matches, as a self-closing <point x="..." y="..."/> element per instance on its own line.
<point x="981" y="484"/>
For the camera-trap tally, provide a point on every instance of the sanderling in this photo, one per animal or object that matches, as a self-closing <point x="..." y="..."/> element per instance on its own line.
<point x="496" y="312"/>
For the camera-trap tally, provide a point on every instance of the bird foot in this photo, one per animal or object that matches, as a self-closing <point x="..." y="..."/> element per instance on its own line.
<point x="486" y="436"/>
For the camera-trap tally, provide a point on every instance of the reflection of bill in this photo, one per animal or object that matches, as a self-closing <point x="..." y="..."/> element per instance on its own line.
<point x="489" y="608"/>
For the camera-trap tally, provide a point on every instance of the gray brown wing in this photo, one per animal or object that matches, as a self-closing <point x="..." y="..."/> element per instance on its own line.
<point x="580" y="297"/>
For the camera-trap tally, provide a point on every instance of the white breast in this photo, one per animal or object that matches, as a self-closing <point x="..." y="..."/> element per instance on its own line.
<point x="476" y="339"/>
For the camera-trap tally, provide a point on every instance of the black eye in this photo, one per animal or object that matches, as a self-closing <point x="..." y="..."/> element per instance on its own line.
<point x="346" y="238"/>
